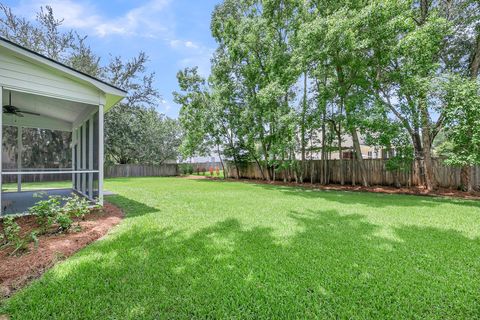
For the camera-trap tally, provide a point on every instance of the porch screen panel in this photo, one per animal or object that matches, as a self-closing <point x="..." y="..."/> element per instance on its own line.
<point x="10" y="153"/>
<point x="43" y="150"/>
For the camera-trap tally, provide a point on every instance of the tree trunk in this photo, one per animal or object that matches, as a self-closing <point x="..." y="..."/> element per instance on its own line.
<point x="467" y="171"/>
<point x="235" y="161"/>
<point x="340" y="155"/>
<point x="359" y="157"/>
<point x="304" y="111"/>
<point x="225" y="173"/>
<point x="312" y="164"/>
<point x="323" y="177"/>
<point x="267" y="167"/>
<point x="430" y="181"/>
<point x="466" y="178"/>
<point x="260" y="168"/>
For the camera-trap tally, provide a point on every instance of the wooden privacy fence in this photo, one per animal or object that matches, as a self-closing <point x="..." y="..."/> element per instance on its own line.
<point x="376" y="171"/>
<point x="138" y="170"/>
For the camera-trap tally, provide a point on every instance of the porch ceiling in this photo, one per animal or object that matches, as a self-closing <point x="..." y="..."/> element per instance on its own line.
<point x="54" y="113"/>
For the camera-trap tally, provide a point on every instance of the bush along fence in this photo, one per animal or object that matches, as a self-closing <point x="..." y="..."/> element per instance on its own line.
<point x="330" y="172"/>
<point x="201" y="168"/>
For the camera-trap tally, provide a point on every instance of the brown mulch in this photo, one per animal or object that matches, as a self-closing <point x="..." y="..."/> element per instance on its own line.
<point x="419" y="191"/>
<point x="18" y="270"/>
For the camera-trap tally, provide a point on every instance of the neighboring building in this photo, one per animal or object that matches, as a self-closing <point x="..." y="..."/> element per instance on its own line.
<point x="368" y="152"/>
<point x="205" y="159"/>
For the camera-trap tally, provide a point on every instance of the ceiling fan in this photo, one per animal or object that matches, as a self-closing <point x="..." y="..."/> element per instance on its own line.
<point x="11" y="109"/>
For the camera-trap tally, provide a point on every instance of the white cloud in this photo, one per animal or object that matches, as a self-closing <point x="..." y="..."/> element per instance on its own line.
<point x="142" y="21"/>
<point x="183" y="44"/>
<point x="190" y="44"/>
<point x="166" y="105"/>
<point x="145" y="20"/>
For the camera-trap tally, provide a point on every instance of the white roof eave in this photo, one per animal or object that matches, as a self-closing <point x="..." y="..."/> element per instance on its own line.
<point x="113" y="94"/>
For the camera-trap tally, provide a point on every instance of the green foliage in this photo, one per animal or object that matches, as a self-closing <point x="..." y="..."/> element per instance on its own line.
<point x="11" y="235"/>
<point x="186" y="168"/>
<point x="46" y="211"/>
<point x="52" y="212"/>
<point x="11" y="230"/>
<point x="369" y="69"/>
<point x="76" y="206"/>
<point x="462" y="121"/>
<point x="64" y="221"/>
<point x="136" y="134"/>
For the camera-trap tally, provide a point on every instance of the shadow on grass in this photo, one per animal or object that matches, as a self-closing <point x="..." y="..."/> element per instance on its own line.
<point x="335" y="268"/>
<point x="375" y="200"/>
<point x="131" y="207"/>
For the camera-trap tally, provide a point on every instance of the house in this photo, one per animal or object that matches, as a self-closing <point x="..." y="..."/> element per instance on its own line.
<point x="38" y="92"/>
<point x="368" y="151"/>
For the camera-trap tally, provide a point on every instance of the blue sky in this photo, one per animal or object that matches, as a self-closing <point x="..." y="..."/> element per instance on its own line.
<point x="173" y="33"/>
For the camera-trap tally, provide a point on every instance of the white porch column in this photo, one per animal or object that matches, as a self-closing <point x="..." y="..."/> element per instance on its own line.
<point x="90" y="157"/>
<point x="84" y="157"/>
<point x="1" y="147"/>
<point x="78" y="160"/>
<point x="100" y="154"/>
<point x="19" y="157"/>
<point x="74" y="141"/>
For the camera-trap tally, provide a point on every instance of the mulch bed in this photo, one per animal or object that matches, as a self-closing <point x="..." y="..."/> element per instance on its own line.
<point x="420" y="191"/>
<point x="18" y="270"/>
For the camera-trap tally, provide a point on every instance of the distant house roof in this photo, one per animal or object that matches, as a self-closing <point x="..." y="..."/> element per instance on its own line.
<point x="113" y="93"/>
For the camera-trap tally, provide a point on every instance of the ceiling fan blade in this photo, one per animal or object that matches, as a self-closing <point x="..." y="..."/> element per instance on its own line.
<point x="28" y="112"/>
<point x="18" y="114"/>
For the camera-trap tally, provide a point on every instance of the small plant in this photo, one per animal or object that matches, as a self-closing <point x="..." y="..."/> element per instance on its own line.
<point x="46" y="212"/>
<point x="11" y="233"/>
<point x="217" y="171"/>
<point x="64" y="221"/>
<point x="76" y="206"/>
<point x="210" y="169"/>
<point x="11" y="229"/>
<point x="34" y="238"/>
<point x="51" y="211"/>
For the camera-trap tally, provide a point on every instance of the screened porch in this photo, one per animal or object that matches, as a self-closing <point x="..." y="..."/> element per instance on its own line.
<point x="49" y="139"/>
<point x="52" y="128"/>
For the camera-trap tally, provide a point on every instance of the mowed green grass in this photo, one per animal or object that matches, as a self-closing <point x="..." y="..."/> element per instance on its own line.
<point x="213" y="249"/>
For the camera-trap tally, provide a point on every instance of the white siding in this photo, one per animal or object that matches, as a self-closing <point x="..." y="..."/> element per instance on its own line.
<point x="18" y="74"/>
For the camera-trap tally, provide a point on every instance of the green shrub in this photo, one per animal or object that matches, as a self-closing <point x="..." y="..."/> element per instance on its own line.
<point x="11" y="229"/>
<point x="64" y="221"/>
<point x="34" y="238"/>
<point x="46" y="212"/>
<point x="11" y="234"/>
<point x="76" y="206"/>
<point x="186" y="168"/>
<point x="49" y="212"/>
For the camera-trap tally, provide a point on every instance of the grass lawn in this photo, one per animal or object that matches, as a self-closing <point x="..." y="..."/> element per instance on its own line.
<point x="213" y="249"/>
